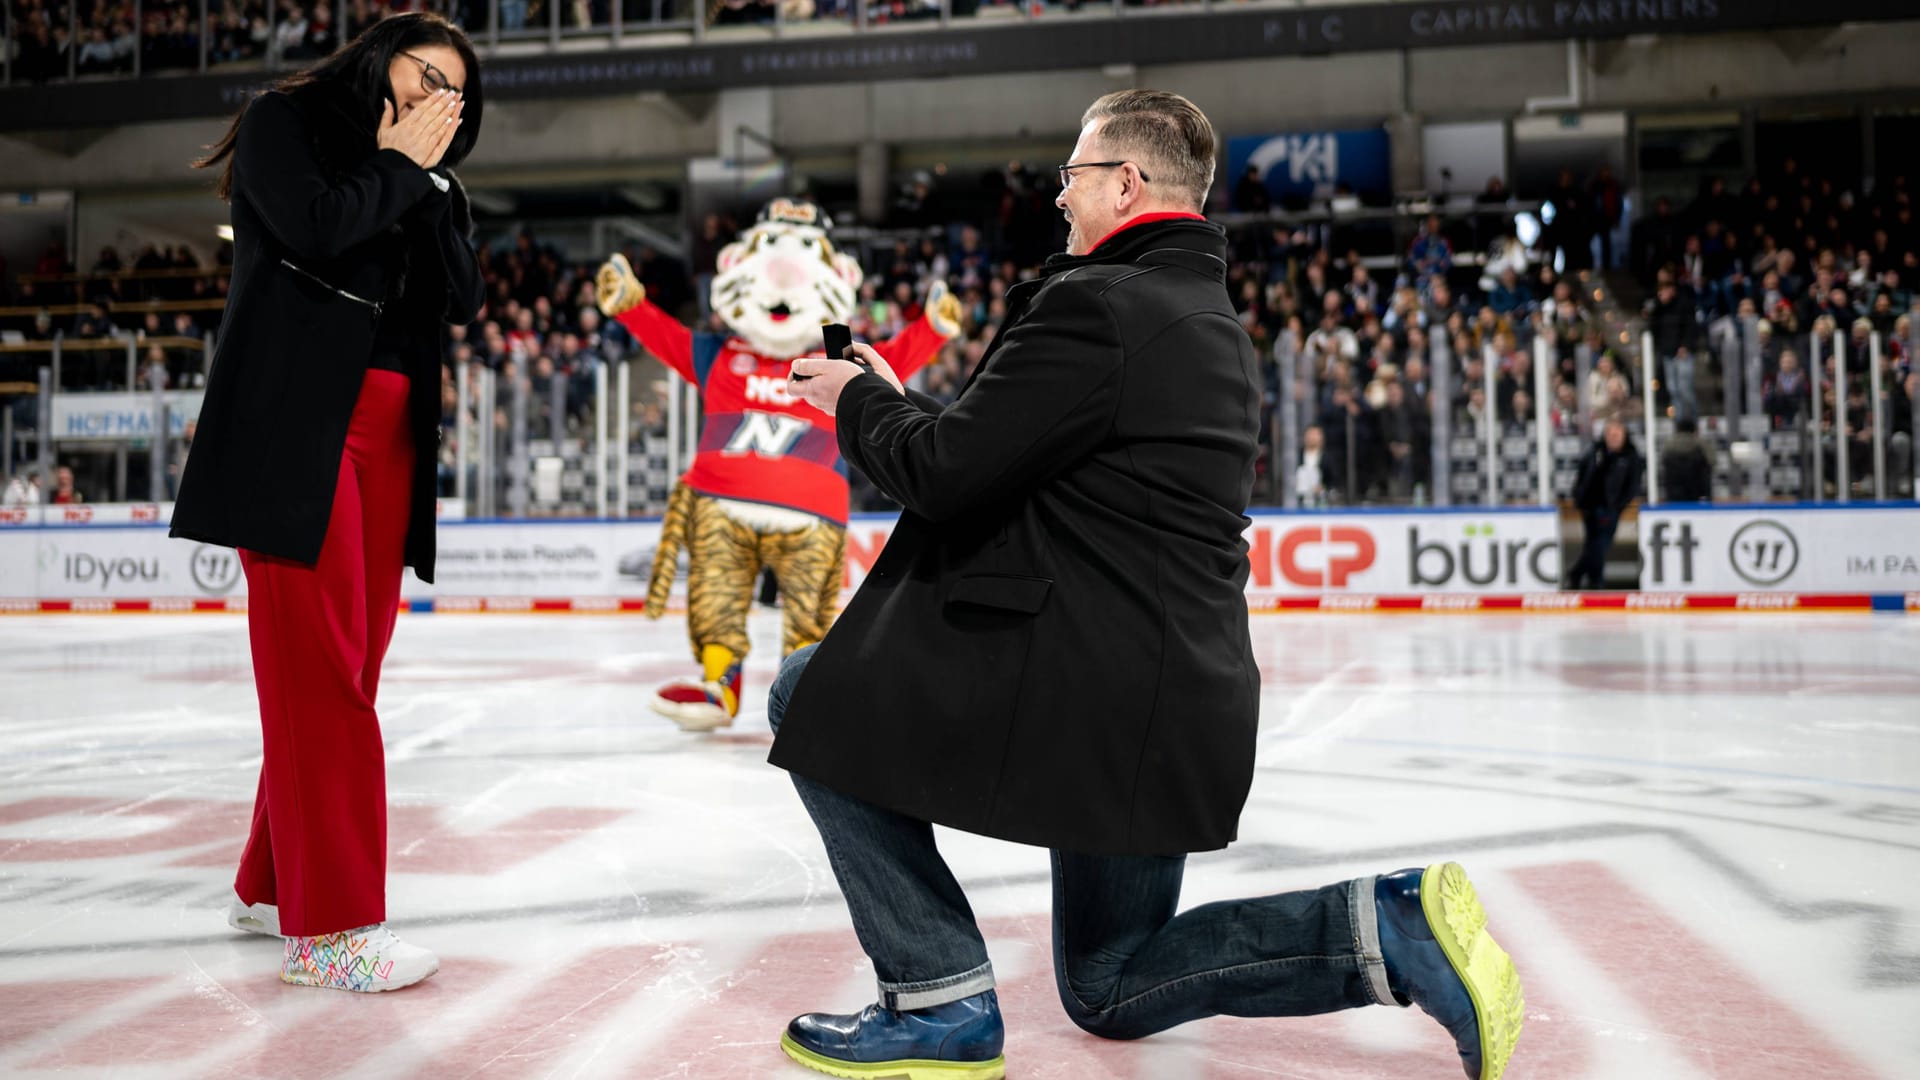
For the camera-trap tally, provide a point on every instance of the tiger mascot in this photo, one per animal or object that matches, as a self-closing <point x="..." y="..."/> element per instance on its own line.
<point x="767" y="487"/>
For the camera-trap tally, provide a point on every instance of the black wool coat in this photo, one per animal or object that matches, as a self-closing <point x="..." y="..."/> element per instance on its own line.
<point x="1607" y="483"/>
<point x="318" y="210"/>
<point x="1053" y="648"/>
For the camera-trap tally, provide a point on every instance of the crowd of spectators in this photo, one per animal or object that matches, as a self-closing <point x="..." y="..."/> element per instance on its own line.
<point x="1364" y="334"/>
<point x="167" y="34"/>
<point x="161" y="302"/>
<point x="104" y="37"/>
<point x="1366" y="331"/>
<point x="116" y="279"/>
<point x="1367" y="338"/>
<point x="1780" y="268"/>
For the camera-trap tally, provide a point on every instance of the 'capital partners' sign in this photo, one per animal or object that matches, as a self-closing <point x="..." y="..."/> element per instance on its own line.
<point x="1442" y="23"/>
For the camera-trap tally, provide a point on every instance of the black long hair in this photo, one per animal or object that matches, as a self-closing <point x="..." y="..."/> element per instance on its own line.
<point x="357" y="71"/>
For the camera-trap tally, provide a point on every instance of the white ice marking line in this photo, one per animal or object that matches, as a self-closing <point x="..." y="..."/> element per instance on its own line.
<point x="1308" y="729"/>
<point x="1248" y="1066"/>
<point x="207" y="986"/>
<point x="60" y="729"/>
<point x="1865" y="727"/>
<point x="91" y="822"/>
<point x="472" y="711"/>
<point x="29" y="931"/>
<point x="465" y="810"/>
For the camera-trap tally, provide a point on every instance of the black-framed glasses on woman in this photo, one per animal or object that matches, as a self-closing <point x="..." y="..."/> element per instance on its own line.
<point x="432" y="79"/>
<point x="1066" y="171"/>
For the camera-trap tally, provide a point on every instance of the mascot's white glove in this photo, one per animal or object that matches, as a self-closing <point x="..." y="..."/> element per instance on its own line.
<point x="943" y="310"/>
<point x="616" y="290"/>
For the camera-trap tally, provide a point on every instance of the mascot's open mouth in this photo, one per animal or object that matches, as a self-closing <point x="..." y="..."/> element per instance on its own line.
<point x="780" y="312"/>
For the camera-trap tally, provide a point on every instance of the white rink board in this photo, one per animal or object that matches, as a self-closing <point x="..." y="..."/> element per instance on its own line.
<point x="120" y="553"/>
<point x="1404" y="553"/>
<point x="1794" y="549"/>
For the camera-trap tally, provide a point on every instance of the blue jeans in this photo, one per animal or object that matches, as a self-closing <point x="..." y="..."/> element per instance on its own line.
<point x="1680" y="388"/>
<point x="1126" y="965"/>
<point x="1590" y="570"/>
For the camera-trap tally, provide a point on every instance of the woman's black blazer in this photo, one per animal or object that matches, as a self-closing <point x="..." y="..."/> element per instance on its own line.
<point x="325" y="225"/>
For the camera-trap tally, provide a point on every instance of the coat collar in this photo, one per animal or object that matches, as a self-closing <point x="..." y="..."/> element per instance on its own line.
<point x="339" y="124"/>
<point x="1192" y="243"/>
<point x="1145" y="219"/>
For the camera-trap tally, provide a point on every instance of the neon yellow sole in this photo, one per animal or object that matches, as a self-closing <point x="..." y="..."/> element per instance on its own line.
<point x="1460" y="925"/>
<point x="908" y="1069"/>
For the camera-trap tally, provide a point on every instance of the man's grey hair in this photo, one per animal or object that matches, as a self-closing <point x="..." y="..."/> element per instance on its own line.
<point x="1163" y="134"/>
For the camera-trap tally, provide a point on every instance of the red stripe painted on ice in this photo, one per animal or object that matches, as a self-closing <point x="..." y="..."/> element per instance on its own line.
<point x="188" y="823"/>
<point x="421" y="842"/>
<point x="181" y="1027"/>
<point x="439" y="850"/>
<point x="1042" y="1043"/>
<point x="318" y="1043"/>
<point x="46" y="806"/>
<point x="736" y="1030"/>
<point x="31" y="1008"/>
<point x="544" y="1025"/>
<point x="1715" y="1013"/>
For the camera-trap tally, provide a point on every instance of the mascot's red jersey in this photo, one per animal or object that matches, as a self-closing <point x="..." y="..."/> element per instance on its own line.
<point x="758" y="444"/>
<point x="775" y="287"/>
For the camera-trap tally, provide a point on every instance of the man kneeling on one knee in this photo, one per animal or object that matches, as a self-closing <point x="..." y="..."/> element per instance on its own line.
<point x="1053" y="649"/>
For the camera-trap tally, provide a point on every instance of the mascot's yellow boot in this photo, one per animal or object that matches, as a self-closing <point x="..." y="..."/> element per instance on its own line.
<point x="712" y="702"/>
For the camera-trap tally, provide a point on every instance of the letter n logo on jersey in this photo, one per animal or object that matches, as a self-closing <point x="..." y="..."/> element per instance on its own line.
<point x="770" y="434"/>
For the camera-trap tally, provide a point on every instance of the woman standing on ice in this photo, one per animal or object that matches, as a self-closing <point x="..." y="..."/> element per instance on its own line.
<point x="315" y="458"/>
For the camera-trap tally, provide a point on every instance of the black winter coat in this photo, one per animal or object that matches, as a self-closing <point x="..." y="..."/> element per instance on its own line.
<point x="1674" y="326"/>
<point x="1608" y="482"/>
<point x="319" y="210"/>
<point x="1686" y="472"/>
<point x="1053" y="647"/>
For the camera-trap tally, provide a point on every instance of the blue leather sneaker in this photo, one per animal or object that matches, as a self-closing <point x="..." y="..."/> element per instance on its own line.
<point x="1439" y="956"/>
<point x="960" y="1040"/>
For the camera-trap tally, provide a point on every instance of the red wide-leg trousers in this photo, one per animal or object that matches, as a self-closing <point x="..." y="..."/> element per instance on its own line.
<point x="318" y="846"/>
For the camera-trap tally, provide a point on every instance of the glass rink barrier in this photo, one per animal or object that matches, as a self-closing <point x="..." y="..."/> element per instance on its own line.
<point x="1419" y="452"/>
<point x="1505" y="419"/>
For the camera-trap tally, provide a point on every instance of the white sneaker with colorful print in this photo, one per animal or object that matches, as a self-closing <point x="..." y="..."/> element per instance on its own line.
<point x="367" y="960"/>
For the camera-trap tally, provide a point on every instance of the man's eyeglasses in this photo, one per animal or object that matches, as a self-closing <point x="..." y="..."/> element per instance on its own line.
<point x="432" y="79"/>
<point x="1066" y="171"/>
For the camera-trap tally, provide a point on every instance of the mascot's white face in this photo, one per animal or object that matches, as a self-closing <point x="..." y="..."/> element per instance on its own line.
<point x="782" y="281"/>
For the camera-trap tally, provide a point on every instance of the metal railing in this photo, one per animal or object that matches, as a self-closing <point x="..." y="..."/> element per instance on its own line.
<point x="100" y="406"/>
<point x="521" y="446"/>
<point x="1846" y="435"/>
<point x="1819" y="417"/>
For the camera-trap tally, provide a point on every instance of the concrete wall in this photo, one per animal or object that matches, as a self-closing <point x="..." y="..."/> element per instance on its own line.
<point x="145" y="156"/>
<point x="129" y="221"/>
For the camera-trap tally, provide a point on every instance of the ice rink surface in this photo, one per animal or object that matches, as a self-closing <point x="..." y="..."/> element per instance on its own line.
<point x="1699" y="836"/>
